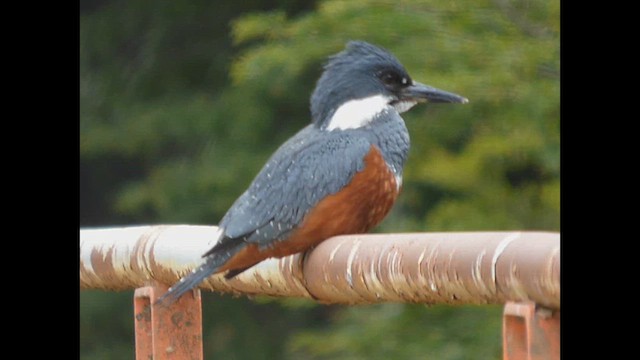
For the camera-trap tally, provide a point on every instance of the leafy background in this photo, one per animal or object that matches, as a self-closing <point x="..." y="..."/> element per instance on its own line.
<point x="181" y="102"/>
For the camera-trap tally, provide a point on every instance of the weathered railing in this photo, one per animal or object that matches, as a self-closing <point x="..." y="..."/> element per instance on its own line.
<point x="453" y="268"/>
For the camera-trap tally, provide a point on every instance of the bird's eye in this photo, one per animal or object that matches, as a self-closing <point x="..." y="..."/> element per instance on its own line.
<point x="392" y="78"/>
<point x="389" y="78"/>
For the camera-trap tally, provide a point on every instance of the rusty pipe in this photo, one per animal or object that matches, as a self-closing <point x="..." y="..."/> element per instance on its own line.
<point x="454" y="268"/>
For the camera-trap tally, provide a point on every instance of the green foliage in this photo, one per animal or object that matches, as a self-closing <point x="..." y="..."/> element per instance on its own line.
<point x="103" y="335"/>
<point x="496" y="160"/>
<point x="181" y="103"/>
<point x="395" y="331"/>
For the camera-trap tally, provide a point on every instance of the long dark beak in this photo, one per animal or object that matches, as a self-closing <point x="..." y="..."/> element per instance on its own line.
<point x="425" y="93"/>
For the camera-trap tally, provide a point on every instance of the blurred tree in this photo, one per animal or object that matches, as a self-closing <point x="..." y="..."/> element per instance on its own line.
<point x="177" y="117"/>
<point x="397" y="331"/>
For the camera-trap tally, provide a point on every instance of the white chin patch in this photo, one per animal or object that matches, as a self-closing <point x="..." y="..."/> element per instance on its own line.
<point x="403" y="106"/>
<point x="357" y="113"/>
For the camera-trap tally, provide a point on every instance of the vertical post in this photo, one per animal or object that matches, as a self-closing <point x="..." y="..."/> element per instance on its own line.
<point x="167" y="332"/>
<point x="529" y="333"/>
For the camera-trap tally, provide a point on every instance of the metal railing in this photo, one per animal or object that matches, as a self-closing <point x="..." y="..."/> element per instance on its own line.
<point x="521" y="269"/>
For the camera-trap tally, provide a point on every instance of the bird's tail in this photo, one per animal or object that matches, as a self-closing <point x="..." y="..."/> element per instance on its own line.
<point x="210" y="265"/>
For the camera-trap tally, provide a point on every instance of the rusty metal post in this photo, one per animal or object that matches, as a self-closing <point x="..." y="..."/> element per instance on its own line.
<point x="529" y="333"/>
<point x="171" y="333"/>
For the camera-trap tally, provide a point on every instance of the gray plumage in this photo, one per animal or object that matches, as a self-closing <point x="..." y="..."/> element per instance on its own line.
<point x="304" y="170"/>
<point x="318" y="162"/>
<point x="353" y="73"/>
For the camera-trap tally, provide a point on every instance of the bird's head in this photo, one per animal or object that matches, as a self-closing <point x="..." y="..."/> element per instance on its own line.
<point x="361" y="82"/>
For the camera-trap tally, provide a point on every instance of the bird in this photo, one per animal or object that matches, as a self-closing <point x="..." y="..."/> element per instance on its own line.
<point x="339" y="175"/>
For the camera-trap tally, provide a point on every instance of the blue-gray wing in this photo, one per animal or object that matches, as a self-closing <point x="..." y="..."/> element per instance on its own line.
<point x="303" y="171"/>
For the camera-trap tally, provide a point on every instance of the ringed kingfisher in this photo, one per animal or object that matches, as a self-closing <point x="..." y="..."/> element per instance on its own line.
<point x="339" y="175"/>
